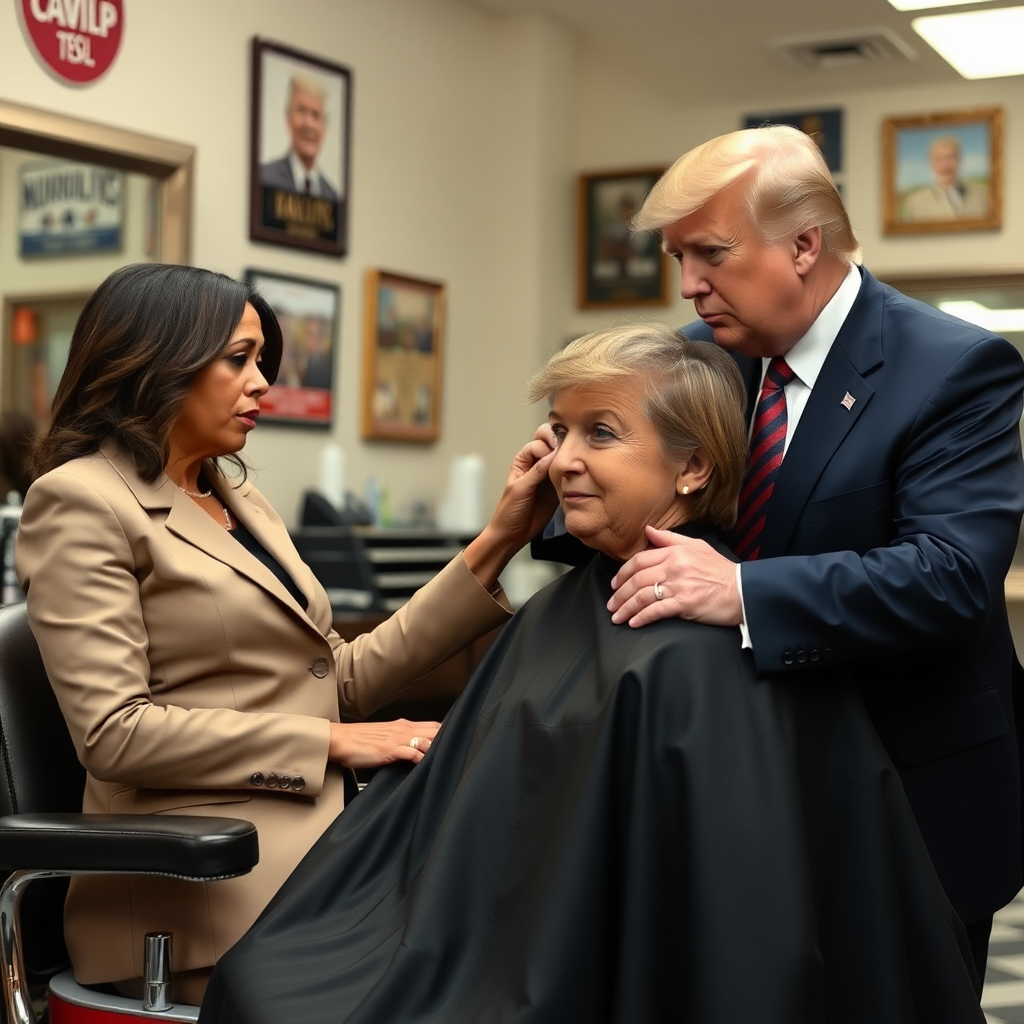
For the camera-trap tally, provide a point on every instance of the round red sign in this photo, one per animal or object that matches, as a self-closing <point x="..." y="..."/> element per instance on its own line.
<point x="76" y="39"/>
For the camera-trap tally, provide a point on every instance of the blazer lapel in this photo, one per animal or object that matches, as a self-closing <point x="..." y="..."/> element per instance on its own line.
<point x="188" y="521"/>
<point x="272" y="534"/>
<point x="837" y="401"/>
<point x="750" y="369"/>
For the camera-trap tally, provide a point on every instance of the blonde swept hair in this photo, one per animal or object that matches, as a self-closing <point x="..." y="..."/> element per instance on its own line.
<point x="790" y="187"/>
<point x="306" y="83"/>
<point x="693" y="397"/>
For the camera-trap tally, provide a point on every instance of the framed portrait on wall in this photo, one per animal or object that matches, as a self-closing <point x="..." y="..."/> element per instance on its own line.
<point x="299" y="194"/>
<point x="402" y="348"/>
<point x="309" y="314"/>
<point x="943" y="172"/>
<point x="824" y="126"/>
<point x="614" y="266"/>
<point x="67" y="208"/>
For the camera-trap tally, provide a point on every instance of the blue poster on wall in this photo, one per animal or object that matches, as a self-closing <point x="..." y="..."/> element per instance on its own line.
<point x="69" y="208"/>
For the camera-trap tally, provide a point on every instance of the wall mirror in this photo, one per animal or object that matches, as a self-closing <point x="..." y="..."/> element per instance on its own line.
<point x="50" y="263"/>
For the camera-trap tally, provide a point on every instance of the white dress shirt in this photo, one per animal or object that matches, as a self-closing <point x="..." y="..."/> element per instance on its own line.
<point x="805" y="359"/>
<point x="300" y="174"/>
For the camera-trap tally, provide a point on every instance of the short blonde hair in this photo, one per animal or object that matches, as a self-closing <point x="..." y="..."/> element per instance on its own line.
<point x="790" y="187"/>
<point x="694" y="398"/>
<point x="944" y="140"/>
<point x="305" y="83"/>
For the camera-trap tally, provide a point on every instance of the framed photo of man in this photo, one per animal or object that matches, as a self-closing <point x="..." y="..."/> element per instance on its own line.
<point x="943" y="172"/>
<point x="825" y="126"/>
<point x="299" y="194"/>
<point x="402" y="345"/>
<point x="616" y="267"/>
<point x="309" y="313"/>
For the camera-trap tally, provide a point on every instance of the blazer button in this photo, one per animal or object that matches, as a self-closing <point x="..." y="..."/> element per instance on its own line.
<point x="828" y="654"/>
<point x="286" y="782"/>
<point x="298" y="783"/>
<point x="787" y="657"/>
<point x="256" y="778"/>
<point x="272" y="781"/>
<point x="319" y="668"/>
<point x="815" y="654"/>
<point x="801" y="656"/>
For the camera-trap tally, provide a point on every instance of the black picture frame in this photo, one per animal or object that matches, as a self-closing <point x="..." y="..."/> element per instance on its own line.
<point x="824" y="125"/>
<point x="301" y="111"/>
<point x="309" y="313"/>
<point x="615" y="267"/>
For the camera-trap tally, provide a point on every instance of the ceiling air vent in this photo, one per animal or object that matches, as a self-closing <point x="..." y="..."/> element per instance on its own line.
<point x="850" y="48"/>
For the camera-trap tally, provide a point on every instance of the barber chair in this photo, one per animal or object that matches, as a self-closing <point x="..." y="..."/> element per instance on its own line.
<point x="337" y="557"/>
<point x="44" y="838"/>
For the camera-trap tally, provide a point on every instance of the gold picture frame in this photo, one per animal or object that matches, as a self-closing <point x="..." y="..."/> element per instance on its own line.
<point x="403" y="343"/>
<point x="943" y="172"/>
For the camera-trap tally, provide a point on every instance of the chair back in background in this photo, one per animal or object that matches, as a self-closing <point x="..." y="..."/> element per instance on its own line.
<point x="39" y="771"/>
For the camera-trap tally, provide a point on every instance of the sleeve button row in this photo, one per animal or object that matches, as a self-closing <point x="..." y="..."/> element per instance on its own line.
<point x="802" y="656"/>
<point x="273" y="781"/>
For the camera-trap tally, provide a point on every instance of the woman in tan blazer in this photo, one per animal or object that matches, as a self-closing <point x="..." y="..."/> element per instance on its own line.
<point x="190" y="648"/>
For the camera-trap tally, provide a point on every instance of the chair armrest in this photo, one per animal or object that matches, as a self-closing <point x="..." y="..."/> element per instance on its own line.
<point x="183" y="846"/>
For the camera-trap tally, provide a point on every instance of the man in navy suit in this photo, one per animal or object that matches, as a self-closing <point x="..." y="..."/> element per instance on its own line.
<point x="298" y="170"/>
<point x="896" y="509"/>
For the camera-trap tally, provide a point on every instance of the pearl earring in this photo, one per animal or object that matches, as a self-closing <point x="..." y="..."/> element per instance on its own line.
<point x="686" y="488"/>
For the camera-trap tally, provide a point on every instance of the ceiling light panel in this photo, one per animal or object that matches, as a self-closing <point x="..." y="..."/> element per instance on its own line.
<point x="926" y="5"/>
<point x="979" y="44"/>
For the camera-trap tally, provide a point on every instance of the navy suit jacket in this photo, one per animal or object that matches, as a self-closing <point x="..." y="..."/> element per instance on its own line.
<point x="278" y="174"/>
<point x="887" y="541"/>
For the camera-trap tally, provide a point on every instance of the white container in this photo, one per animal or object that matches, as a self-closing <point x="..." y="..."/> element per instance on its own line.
<point x="462" y="509"/>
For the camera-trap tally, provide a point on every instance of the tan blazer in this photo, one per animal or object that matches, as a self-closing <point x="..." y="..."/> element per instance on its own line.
<point x="933" y="203"/>
<point x="189" y="677"/>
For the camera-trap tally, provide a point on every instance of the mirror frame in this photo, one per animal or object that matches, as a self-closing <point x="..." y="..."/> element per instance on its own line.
<point x="171" y="163"/>
<point x="995" y="277"/>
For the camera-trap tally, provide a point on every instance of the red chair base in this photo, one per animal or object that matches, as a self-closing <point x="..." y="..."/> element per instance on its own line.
<point x="71" y="1003"/>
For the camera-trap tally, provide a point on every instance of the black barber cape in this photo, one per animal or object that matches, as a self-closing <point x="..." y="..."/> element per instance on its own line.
<point x="617" y="825"/>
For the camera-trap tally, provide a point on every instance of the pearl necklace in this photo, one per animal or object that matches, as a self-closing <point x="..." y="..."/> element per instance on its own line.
<point x="207" y="494"/>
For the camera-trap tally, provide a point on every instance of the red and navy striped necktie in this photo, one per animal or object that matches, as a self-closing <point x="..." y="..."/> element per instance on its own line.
<point x="767" y="444"/>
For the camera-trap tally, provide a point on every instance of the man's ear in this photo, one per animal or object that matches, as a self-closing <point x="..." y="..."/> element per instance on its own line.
<point x="806" y="250"/>
<point x="695" y="474"/>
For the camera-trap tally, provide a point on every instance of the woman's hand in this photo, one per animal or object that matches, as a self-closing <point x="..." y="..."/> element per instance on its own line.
<point x="373" y="744"/>
<point x="527" y="502"/>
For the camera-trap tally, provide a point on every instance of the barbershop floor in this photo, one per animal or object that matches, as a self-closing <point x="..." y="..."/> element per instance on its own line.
<point x="1003" y="999"/>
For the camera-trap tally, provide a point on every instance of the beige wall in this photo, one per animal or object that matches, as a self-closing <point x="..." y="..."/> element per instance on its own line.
<point x="609" y="130"/>
<point x="468" y="132"/>
<point x="460" y="153"/>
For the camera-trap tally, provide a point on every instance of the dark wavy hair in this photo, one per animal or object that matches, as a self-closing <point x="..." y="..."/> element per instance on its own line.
<point x="139" y="342"/>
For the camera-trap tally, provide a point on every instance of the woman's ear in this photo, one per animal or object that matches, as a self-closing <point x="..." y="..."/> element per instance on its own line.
<point x="695" y="474"/>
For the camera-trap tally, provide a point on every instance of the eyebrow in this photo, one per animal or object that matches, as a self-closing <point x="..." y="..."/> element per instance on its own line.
<point x="248" y="341"/>
<point x="554" y="413"/>
<point x="702" y="239"/>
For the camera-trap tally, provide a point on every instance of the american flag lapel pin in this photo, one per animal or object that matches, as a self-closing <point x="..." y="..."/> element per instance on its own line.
<point x="847" y="401"/>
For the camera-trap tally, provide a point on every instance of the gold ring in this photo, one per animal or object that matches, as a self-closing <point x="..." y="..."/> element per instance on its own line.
<point x="415" y="743"/>
<point x="658" y="592"/>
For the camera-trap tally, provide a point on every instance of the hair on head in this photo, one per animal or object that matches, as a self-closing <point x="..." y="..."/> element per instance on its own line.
<point x="693" y="396"/>
<point x="138" y="344"/>
<point x="789" y="187"/>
